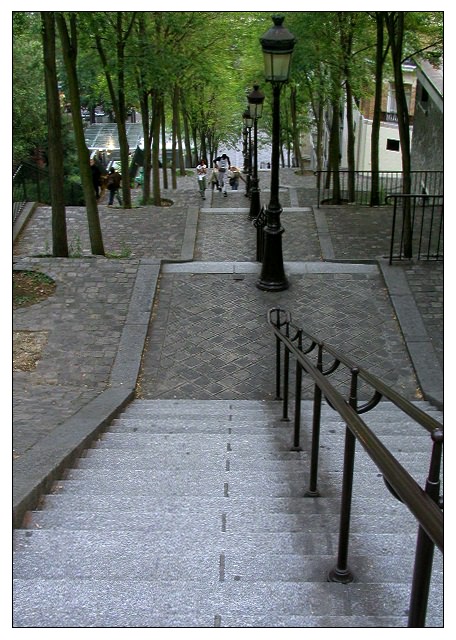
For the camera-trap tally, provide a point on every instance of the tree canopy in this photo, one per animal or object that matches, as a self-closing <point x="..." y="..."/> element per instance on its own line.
<point x="212" y="59"/>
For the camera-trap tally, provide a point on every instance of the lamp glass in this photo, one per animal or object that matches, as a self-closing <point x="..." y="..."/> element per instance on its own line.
<point x="277" y="66"/>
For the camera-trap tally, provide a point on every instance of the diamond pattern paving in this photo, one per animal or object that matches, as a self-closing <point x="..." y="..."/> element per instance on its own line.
<point x="209" y="337"/>
<point x="232" y="236"/>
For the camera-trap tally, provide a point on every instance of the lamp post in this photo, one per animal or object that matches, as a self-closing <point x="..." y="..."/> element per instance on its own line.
<point x="256" y="99"/>
<point x="248" y="125"/>
<point x="277" y="45"/>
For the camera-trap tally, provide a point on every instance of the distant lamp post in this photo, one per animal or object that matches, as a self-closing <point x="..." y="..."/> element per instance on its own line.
<point x="256" y="99"/>
<point x="277" y="45"/>
<point x="248" y="125"/>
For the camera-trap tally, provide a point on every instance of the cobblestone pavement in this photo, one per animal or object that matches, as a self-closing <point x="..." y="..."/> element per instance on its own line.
<point x="82" y="323"/>
<point x="202" y="321"/>
<point x="209" y="338"/>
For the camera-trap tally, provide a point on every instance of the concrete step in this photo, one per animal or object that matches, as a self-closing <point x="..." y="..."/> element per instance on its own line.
<point x="136" y="603"/>
<point x="193" y="514"/>
<point x="234" y="520"/>
<point x="90" y="482"/>
<point x="130" y="554"/>
<point x="273" y="440"/>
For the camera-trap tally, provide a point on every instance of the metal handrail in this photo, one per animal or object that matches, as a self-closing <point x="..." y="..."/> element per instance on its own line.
<point x="425" y="505"/>
<point x="425" y="420"/>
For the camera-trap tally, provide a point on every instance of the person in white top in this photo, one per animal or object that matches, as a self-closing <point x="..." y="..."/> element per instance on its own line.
<point x="222" y="163"/>
<point x="201" y="170"/>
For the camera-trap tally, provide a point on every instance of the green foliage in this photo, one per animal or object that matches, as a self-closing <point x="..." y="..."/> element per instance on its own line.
<point x="29" y="96"/>
<point x="215" y="58"/>
<point x="124" y="253"/>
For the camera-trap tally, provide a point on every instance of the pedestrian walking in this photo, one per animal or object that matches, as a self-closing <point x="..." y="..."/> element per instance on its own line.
<point x="222" y="164"/>
<point x="96" y="177"/>
<point x="201" y="171"/>
<point x="214" y="179"/>
<point x="234" y="175"/>
<point x="113" y="184"/>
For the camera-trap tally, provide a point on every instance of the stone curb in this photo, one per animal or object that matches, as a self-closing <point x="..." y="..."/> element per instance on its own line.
<point x="416" y="338"/>
<point x="44" y="463"/>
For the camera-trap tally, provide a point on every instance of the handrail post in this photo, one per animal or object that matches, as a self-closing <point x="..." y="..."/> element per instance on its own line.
<point x="286" y="377"/>
<point x="424" y="546"/>
<point x="312" y="491"/>
<point x="278" y="367"/>
<point x="341" y="573"/>
<point x="297" y="417"/>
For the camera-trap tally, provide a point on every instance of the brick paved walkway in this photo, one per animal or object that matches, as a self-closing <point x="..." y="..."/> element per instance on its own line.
<point x="81" y="323"/>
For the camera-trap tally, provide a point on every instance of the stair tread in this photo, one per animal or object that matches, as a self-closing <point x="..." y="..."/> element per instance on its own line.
<point x="192" y="513"/>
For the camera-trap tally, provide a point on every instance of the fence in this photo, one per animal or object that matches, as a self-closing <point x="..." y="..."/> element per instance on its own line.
<point x="389" y="182"/>
<point x="424" y="240"/>
<point x="31" y="184"/>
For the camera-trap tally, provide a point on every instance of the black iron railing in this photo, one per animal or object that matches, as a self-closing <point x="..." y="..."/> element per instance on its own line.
<point x="389" y="182"/>
<point x="31" y="184"/>
<point x="425" y="504"/>
<point x="426" y="227"/>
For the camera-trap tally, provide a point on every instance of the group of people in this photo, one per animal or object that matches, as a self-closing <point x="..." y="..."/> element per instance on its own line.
<point x="223" y="174"/>
<point x="112" y="182"/>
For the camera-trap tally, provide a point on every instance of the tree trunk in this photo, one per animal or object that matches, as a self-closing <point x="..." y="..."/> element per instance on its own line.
<point x="55" y="147"/>
<point x="121" y="113"/>
<point x="177" y="124"/>
<point x="346" y="27"/>
<point x="164" y="151"/>
<point x="69" y="49"/>
<point x="118" y="98"/>
<point x="190" y="161"/>
<point x="173" y="147"/>
<point x="295" y="129"/>
<point x="350" y="143"/>
<point x="375" y="137"/>
<point x="144" y="106"/>
<point x="156" y="114"/>
<point x="334" y="151"/>
<point x="395" y="24"/>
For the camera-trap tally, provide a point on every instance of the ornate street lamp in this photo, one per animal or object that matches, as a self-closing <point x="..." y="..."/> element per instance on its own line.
<point x="248" y="125"/>
<point x="277" y="45"/>
<point x="256" y="99"/>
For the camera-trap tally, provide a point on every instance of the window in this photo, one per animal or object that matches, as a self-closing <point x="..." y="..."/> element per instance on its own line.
<point x="392" y="104"/>
<point x="392" y="145"/>
<point x="424" y="95"/>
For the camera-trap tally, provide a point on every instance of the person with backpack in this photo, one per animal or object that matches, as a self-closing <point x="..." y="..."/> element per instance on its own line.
<point x="234" y="175"/>
<point x="222" y="164"/>
<point x="113" y="185"/>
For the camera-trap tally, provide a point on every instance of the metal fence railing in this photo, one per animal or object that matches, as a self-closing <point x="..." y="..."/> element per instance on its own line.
<point x="31" y="184"/>
<point x="425" y="216"/>
<point x="389" y="182"/>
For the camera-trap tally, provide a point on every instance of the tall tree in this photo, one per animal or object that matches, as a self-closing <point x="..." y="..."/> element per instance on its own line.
<point x="121" y="25"/>
<point x="347" y="20"/>
<point x="395" y="25"/>
<point x="380" y="56"/>
<point x="69" y="41"/>
<point x="55" y="152"/>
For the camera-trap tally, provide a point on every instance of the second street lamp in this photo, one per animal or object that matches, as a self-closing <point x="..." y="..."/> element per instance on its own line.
<point x="277" y="45"/>
<point x="256" y="99"/>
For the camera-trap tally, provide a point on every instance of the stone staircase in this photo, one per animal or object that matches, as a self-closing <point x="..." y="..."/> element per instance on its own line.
<point x="192" y="514"/>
